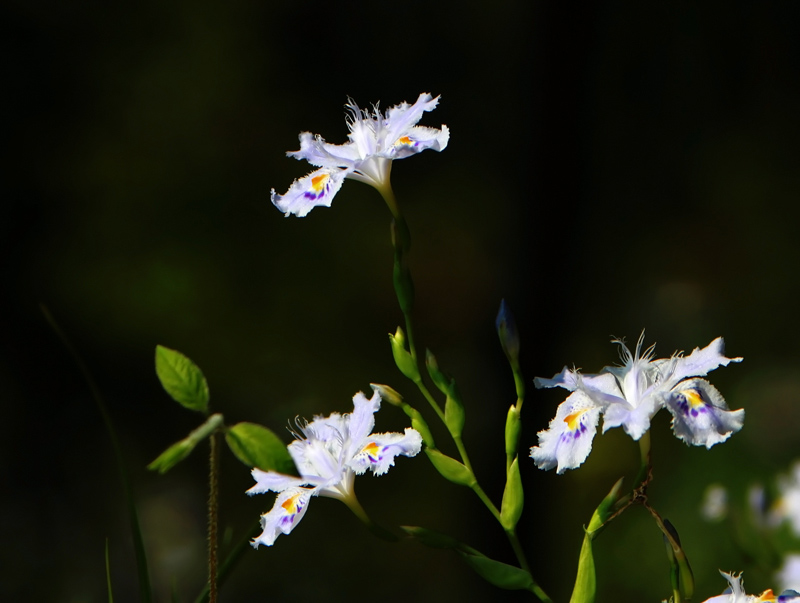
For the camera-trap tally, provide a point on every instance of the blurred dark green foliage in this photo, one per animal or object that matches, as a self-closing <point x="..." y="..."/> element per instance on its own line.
<point x="611" y="168"/>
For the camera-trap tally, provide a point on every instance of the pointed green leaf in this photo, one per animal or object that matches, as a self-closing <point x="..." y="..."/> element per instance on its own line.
<point x="172" y="456"/>
<point x="257" y="446"/>
<point x="586" y="580"/>
<point x="180" y="450"/>
<point x="182" y="379"/>
<point x="513" y="498"/>
<point x="499" y="574"/>
<point x="450" y="468"/>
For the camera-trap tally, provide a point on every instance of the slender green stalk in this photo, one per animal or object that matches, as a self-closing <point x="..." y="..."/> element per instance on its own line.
<point x="145" y="592"/>
<point x="231" y="560"/>
<point x="213" y="504"/>
<point x="108" y="576"/>
<point x="401" y="241"/>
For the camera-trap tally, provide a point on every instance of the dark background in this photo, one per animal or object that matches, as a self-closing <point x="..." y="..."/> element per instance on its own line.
<point x="611" y="168"/>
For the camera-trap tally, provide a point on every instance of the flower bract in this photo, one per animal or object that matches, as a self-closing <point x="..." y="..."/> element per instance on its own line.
<point x="629" y="395"/>
<point x="329" y="452"/>
<point x="375" y="140"/>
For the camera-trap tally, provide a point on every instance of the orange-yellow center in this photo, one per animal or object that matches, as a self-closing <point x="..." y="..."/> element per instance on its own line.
<point x="317" y="182"/>
<point x="693" y="397"/>
<point x="290" y="504"/>
<point x="573" y="419"/>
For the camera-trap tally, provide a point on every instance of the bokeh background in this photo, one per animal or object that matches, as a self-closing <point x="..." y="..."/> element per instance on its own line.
<point x="612" y="167"/>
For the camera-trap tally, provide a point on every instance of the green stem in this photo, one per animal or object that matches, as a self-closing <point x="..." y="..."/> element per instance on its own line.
<point x="355" y="506"/>
<point x="213" y="503"/>
<point x="145" y="593"/>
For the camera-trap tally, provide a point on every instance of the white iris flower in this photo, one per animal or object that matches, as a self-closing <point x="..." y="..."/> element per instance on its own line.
<point x="328" y="453"/>
<point x="375" y="140"/>
<point x="628" y="396"/>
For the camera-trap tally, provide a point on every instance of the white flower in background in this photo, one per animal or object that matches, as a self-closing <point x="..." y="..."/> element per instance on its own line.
<point x="787" y="507"/>
<point x="788" y="577"/>
<point x="376" y="139"/>
<point x="715" y="503"/>
<point x="628" y="396"/>
<point x="328" y="454"/>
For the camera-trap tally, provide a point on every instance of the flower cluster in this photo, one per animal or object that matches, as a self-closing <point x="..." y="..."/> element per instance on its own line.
<point x="375" y="140"/>
<point x="328" y="453"/>
<point x="628" y="396"/>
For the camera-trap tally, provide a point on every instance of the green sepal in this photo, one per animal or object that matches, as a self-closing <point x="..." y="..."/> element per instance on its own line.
<point x="388" y="394"/>
<point x="508" y="334"/>
<point x="454" y="414"/>
<point x="257" y="446"/>
<point x="182" y="379"/>
<point x="402" y="357"/>
<point x="586" y="580"/>
<point x="513" y="427"/>
<point x="681" y="575"/>
<point x="180" y="450"/>
<point x="605" y="509"/>
<point x="513" y="498"/>
<point x="451" y="469"/>
<point x="403" y="286"/>
<point x="418" y="422"/>
<point x="442" y="381"/>
<point x="432" y="538"/>
<point x="499" y="574"/>
<point x="585" y="588"/>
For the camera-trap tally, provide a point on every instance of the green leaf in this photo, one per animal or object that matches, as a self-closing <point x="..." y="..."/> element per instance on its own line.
<point x="513" y="498"/>
<point x="108" y="576"/>
<point x="586" y="580"/>
<point x="497" y="573"/>
<point x="450" y="468"/>
<point x="172" y="456"/>
<point x="257" y="446"/>
<point x="180" y="450"/>
<point x="182" y="379"/>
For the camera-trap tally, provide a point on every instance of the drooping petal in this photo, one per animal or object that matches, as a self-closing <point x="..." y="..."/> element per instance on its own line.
<point x="270" y="481"/>
<point x="290" y="506"/>
<point x="380" y="449"/>
<point x="700" y="415"/>
<point x="568" y="440"/>
<point x="697" y="364"/>
<point x="316" y="189"/>
<point x="418" y="139"/>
